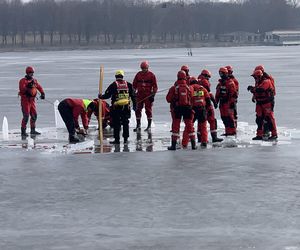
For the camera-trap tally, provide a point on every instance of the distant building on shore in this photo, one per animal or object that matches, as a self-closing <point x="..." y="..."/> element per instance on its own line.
<point x="282" y="37"/>
<point x="240" y="37"/>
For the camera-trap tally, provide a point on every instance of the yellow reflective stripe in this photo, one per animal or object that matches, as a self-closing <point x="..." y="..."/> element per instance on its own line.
<point x="199" y="93"/>
<point x="86" y="103"/>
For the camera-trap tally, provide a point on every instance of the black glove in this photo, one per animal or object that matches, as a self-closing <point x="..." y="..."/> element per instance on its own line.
<point x="100" y="96"/>
<point x="42" y="96"/>
<point x="151" y="98"/>
<point x="30" y="84"/>
<point x="216" y="105"/>
<point x="250" y="88"/>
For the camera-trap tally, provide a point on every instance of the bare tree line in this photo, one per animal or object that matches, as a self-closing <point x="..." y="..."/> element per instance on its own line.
<point x="50" y="22"/>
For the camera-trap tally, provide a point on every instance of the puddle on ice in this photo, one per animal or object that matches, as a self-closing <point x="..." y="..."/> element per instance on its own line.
<point x="55" y="140"/>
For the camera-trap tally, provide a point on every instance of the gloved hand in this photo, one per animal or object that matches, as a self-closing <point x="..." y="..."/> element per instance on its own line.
<point x="215" y="105"/>
<point x="100" y="96"/>
<point x="81" y="131"/>
<point x="250" y="88"/>
<point x="42" y="96"/>
<point x="253" y="99"/>
<point x="151" y="98"/>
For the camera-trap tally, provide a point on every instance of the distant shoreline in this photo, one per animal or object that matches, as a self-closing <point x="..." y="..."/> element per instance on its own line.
<point x="29" y="48"/>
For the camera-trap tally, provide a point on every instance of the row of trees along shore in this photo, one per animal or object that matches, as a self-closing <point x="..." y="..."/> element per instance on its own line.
<point x="55" y="23"/>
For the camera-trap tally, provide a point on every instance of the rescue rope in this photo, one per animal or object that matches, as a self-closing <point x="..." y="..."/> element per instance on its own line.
<point x="152" y="95"/>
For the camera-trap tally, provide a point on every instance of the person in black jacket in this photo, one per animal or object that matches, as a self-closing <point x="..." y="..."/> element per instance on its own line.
<point x="120" y="92"/>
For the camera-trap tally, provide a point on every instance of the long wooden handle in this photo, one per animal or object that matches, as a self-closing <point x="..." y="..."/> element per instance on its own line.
<point x="100" y="105"/>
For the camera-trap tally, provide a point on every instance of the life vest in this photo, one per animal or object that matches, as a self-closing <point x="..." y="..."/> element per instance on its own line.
<point x="198" y="96"/>
<point x="183" y="95"/>
<point x="122" y="96"/>
<point x="263" y="96"/>
<point x="31" y="91"/>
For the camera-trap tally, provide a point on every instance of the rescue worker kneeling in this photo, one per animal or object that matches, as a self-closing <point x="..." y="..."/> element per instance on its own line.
<point x="106" y="118"/>
<point x="201" y="103"/>
<point x="120" y="92"/>
<point x="70" y="109"/>
<point x="180" y="97"/>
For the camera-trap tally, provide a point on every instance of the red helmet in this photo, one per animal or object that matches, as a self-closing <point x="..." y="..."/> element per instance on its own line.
<point x="260" y="67"/>
<point x="229" y="68"/>
<point x="206" y="73"/>
<point x="257" y="73"/>
<point x="181" y="75"/>
<point x="223" y="70"/>
<point x="29" y="70"/>
<point x="193" y="80"/>
<point x="144" y="65"/>
<point x="185" y="68"/>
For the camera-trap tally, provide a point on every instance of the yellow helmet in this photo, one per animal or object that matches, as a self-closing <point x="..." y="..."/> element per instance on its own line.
<point x="119" y="72"/>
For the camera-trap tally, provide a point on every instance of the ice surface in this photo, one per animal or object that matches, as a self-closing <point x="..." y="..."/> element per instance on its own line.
<point x="244" y="197"/>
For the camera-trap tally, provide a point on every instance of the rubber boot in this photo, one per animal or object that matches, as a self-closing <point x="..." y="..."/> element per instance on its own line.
<point x="203" y="144"/>
<point x="149" y="125"/>
<point x="73" y="139"/>
<point x="34" y="132"/>
<point x="173" y="146"/>
<point x="138" y="125"/>
<point x="193" y="143"/>
<point x="23" y="132"/>
<point x="125" y="140"/>
<point x="257" y="138"/>
<point x="199" y="137"/>
<point x="215" y="137"/>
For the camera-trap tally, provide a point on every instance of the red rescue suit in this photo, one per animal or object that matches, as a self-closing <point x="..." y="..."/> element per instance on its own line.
<point x="264" y="96"/>
<point x="236" y="83"/>
<point x="181" y="111"/>
<point x="210" y="110"/>
<point x="145" y="85"/>
<point x="226" y="95"/>
<point x="200" y="102"/>
<point x="28" y="88"/>
<point x="106" y="118"/>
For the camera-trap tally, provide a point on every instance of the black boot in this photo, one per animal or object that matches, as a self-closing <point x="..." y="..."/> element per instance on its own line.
<point x="149" y="125"/>
<point x="215" y="137"/>
<point x="173" y="146"/>
<point x="73" y="139"/>
<point x="34" y="132"/>
<point x="138" y="125"/>
<point x="198" y="137"/>
<point x="203" y="144"/>
<point x="257" y="138"/>
<point x="23" y="132"/>
<point x="193" y="143"/>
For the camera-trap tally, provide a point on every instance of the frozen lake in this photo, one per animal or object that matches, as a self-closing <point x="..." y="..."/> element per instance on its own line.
<point x="218" y="198"/>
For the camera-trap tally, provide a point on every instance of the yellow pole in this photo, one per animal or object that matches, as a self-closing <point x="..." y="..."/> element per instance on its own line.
<point x="100" y="108"/>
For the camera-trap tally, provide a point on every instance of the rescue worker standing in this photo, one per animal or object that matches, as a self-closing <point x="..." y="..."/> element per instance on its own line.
<point x="70" y="109"/>
<point x="226" y="96"/>
<point x="186" y="69"/>
<point x="28" y="87"/>
<point x="201" y="103"/>
<point x="264" y="96"/>
<point x="180" y="97"/>
<point x="145" y="86"/>
<point x="120" y="92"/>
<point x="236" y="83"/>
<point x="203" y="80"/>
